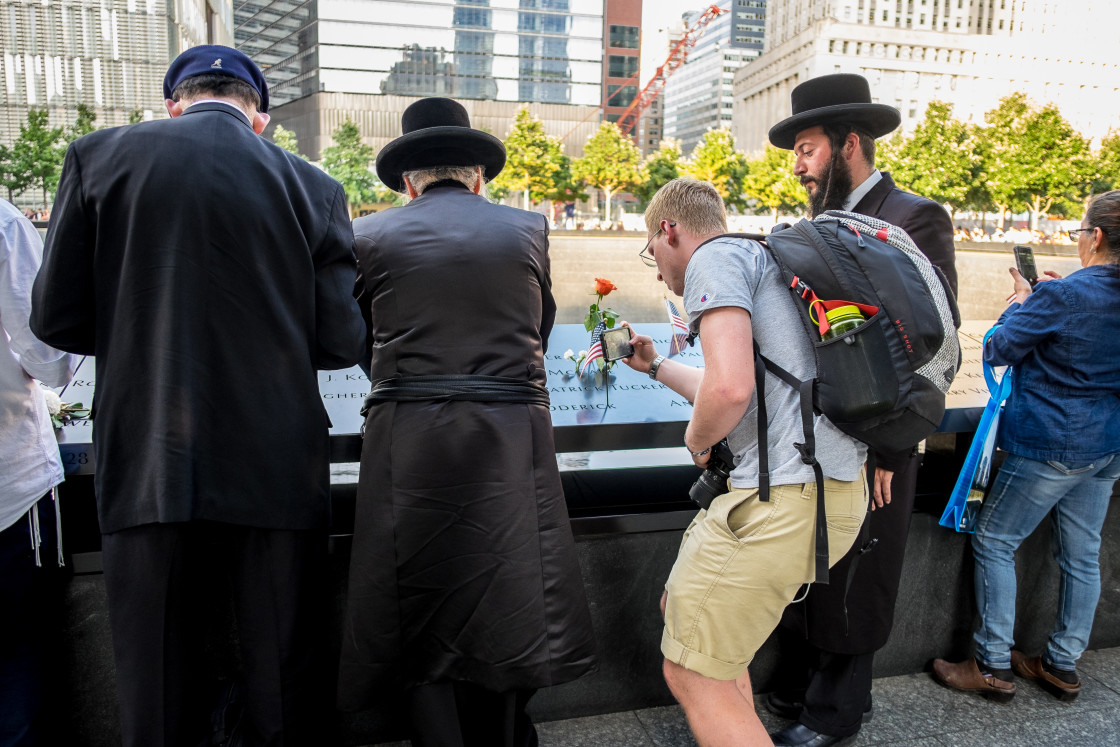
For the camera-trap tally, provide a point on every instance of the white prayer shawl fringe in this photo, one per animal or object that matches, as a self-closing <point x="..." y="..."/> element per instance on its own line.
<point x="36" y="537"/>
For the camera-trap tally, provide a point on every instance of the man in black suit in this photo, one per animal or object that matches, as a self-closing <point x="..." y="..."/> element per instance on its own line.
<point x="211" y="273"/>
<point x="828" y="642"/>
<point x="465" y="590"/>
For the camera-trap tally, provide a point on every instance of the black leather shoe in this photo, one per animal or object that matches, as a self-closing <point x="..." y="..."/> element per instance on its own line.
<point x="786" y="707"/>
<point x="791" y="708"/>
<point x="800" y="735"/>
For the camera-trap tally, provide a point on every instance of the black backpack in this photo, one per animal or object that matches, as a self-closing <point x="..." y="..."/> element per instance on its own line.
<point x="885" y="381"/>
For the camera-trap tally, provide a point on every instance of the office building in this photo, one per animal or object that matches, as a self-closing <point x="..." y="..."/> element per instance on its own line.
<point x="622" y="36"/>
<point x="328" y="60"/>
<point x="110" y="55"/>
<point x="649" y="128"/>
<point x="970" y="53"/>
<point x="698" y="97"/>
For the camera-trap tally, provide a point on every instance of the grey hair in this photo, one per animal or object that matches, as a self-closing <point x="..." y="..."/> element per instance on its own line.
<point x="421" y="179"/>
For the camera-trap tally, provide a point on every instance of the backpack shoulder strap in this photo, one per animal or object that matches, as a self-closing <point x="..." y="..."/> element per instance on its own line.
<point x="807" y="450"/>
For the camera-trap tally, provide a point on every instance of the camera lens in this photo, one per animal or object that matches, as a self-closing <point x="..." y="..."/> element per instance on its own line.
<point x="713" y="482"/>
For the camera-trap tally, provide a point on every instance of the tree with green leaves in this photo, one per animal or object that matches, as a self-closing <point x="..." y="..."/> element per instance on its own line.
<point x="384" y="194"/>
<point x="715" y="160"/>
<point x="533" y="160"/>
<point x="286" y="139"/>
<point x="38" y="152"/>
<point x="887" y="151"/>
<point x="14" y="177"/>
<point x="350" y="161"/>
<point x="565" y="187"/>
<point x="1056" y="161"/>
<point x="660" y="167"/>
<point x="938" y="160"/>
<point x="83" y="123"/>
<point x="610" y="163"/>
<point x="1033" y="158"/>
<point x="997" y="146"/>
<point x="1107" y="161"/>
<point x="978" y="197"/>
<point x="136" y="116"/>
<point x="770" y="180"/>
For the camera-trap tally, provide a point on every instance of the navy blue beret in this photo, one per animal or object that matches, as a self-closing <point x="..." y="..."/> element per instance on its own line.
<point x="214" y="59"/>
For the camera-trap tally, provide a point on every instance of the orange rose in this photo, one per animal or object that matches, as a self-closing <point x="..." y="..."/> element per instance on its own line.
<point x="603" y="287"/>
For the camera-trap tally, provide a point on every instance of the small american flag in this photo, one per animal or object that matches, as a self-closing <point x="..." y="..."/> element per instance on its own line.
<point x="595" y="352"/>
<point x="680" y="329"/>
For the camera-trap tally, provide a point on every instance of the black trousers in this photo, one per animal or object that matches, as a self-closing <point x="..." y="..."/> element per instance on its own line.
<point x="834" y="688"/>
<point x="460" y="714"/>
<point x="31" y="665"/>
<point x="167" y="582"/>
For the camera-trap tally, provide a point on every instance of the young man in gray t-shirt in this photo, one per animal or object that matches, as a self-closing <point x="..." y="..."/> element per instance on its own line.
<point x="742" y="560"/>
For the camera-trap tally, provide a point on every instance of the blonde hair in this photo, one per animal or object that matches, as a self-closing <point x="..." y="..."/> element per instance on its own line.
<point x="694" y="205"/>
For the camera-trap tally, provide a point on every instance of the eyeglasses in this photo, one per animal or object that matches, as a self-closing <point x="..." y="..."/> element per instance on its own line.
<point x="645" y="255"/>
<point x="1075" y="233"/>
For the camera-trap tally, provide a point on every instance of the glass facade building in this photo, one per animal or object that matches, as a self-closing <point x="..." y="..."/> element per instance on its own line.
<point x="546" y="51"/>
<point x="699" y="96"/>
<point x="108" y="54"/>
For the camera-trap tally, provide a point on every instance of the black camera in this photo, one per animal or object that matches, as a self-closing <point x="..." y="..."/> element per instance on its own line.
<point x="713" y="483"/>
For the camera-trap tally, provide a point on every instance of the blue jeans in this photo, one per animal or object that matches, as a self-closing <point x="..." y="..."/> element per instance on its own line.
<point x="1025" y="491"/>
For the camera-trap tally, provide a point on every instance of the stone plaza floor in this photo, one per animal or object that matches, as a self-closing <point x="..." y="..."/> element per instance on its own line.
<point x="908" y="710"/>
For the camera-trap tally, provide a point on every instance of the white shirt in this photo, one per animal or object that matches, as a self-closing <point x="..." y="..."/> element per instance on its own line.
<point x="29" y="461"/>
<point x="861" y="191"/>
<point x="230" y="104"/>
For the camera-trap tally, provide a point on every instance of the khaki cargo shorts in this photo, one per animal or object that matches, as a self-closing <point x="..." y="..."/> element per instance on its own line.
<point x="741" y="562"/>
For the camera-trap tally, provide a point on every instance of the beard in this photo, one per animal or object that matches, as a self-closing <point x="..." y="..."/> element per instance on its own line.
<point x="833" y="186"/>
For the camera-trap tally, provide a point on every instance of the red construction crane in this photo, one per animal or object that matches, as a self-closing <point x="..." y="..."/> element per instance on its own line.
<point x="677" y="57"/>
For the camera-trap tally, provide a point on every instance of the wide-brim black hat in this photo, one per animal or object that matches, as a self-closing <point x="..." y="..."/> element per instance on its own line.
<point x="437" y="132"/>
<point x="842" y="97"/>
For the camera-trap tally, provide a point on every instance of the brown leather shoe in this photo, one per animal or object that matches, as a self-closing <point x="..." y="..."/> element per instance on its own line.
<point x="967" y="678"/>
<point x="1031" y="668"/>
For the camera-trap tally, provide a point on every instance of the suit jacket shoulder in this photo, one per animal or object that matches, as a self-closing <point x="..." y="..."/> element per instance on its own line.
<point x="926" y="222"/>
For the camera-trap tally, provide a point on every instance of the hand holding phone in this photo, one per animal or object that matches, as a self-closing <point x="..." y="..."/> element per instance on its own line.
<point x="616" y="344"/>
<point x="1024" y="262"/>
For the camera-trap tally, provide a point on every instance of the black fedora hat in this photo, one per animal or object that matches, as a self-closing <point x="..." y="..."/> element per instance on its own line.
<point x="437" y="132"/>
<point x="842" y="97"/>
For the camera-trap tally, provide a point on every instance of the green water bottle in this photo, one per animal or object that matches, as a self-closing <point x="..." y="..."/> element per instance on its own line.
<point x="842" y="319"/>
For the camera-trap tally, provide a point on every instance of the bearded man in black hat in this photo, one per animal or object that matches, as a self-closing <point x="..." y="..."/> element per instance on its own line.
<point x="827" y="653"/>
<point x="464" y="585"/>
<point x="211" y="273"/>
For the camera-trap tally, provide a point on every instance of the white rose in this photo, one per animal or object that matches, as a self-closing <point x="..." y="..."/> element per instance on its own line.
<point x="569" y="355"/>
<point x="582" y="354"/>
<point x="54" y="402"/>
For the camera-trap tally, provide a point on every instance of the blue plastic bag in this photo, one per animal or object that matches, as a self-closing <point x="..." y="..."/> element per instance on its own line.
<point x="972" y="484"/>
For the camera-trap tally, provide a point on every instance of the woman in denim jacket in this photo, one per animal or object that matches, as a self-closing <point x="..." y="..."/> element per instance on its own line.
<point x="1061" y="430"/>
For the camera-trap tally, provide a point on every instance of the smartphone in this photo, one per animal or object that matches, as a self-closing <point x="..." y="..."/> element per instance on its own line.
<point x="1024" y="260"/>
<point x="616" y="343"/>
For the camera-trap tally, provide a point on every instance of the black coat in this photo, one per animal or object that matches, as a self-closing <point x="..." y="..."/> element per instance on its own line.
<point x="211" y="273"/>
<point x="463" y="564"/>
<point x="874" y="587"/>
<point x="924" y="220"/>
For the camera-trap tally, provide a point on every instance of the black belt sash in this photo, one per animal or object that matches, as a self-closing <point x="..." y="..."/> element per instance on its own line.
<point x="451" y="387"/>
